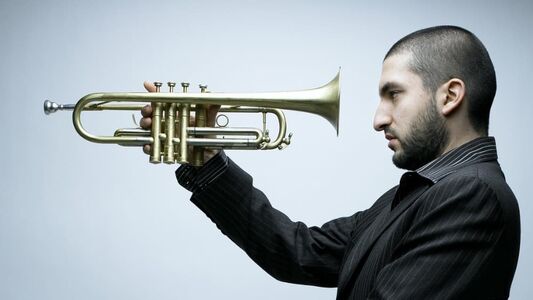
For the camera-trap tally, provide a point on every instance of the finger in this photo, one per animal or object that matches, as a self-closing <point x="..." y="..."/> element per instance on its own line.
<point x="146" y="123"/>
<point x="146" y="111"/>
<point x="147" y="149"/>
<point x="213" y="108"/>
<point x="149" y="86"/>
<point x="212" y="112"/>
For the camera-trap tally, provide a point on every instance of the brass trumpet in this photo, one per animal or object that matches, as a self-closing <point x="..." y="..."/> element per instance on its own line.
<point x="170" y="137"/>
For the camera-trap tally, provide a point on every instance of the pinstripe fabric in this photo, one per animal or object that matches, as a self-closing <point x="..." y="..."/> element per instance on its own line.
<point x="194" y="179"/>
<point x="449" y="230"/>
<point x="479" y="150"/>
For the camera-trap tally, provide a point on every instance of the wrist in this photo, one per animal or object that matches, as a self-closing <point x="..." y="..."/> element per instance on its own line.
<point x="209" y="154"/>
<point x="196" y="178"/>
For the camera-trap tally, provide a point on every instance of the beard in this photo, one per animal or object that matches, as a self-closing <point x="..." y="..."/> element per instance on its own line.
<point x="425" y="140"/>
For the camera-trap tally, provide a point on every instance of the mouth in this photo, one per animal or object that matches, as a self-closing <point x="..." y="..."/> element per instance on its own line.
<point x="393" y="141"/>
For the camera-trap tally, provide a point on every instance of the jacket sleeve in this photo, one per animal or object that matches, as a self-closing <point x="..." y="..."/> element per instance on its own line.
<point x="289" y="251"/>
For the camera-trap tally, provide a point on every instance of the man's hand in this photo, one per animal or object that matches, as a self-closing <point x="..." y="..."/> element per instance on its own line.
<point x="146" y="122"/>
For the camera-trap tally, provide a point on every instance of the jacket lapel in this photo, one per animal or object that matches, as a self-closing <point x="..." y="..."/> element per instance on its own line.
<point x="360" y="248"/>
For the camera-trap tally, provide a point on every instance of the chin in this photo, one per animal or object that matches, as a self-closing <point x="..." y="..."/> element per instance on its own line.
<point x="397" y="155"/>
<point x="402" y="162"/>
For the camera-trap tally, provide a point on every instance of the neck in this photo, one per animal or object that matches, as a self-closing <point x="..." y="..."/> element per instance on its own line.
<point x="457" y="141"/>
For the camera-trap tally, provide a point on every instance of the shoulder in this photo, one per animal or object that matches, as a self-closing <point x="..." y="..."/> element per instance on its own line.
<point x="476" y="188"/>
<point x="485" y="178"/>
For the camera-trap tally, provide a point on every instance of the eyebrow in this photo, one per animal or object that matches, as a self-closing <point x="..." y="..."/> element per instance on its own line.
<point x="387" y="87"/>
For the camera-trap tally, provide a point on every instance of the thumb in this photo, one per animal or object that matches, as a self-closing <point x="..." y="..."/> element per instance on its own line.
<point x="149" y="86"/>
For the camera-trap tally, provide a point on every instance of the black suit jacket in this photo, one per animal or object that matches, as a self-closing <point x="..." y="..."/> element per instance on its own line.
<point x="456" y="238"/>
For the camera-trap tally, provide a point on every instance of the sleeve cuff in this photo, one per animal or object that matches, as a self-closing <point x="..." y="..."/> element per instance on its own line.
<point x="197" y="178"/>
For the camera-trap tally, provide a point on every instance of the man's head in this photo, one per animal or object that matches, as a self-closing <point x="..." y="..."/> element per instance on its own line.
<point x="437" y="86"/>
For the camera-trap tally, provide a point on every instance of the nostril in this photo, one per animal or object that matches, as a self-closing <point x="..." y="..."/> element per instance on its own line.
<point x="379" y="123"/>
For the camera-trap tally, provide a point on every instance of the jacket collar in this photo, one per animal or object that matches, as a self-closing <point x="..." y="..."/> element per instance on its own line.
<point x="479" y="150"/>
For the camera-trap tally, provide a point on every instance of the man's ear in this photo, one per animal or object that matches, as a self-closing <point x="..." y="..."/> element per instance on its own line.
<point x="452" y="94"/>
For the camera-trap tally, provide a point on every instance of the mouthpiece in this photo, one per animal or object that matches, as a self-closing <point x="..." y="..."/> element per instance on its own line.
<point x="52" y="107"/>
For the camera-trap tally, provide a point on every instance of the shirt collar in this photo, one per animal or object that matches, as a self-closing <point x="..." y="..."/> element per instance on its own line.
<point x="479" y="150"/>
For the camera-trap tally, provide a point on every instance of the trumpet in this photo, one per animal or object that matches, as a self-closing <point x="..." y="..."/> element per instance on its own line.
<point x="171" y="133"/>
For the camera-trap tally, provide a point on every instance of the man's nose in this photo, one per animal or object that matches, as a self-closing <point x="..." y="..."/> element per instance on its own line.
<point x="382" y="118"/>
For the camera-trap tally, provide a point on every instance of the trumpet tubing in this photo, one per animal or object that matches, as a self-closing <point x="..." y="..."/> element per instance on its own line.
<point x="170" y="137"/>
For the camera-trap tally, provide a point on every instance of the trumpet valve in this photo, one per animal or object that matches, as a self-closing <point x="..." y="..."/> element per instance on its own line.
<point x="171" y="86"/>
<point x="185" y="86"/>
<point x="158" y="85"/>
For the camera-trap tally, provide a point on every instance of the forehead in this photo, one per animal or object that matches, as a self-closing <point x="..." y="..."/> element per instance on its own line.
<point x="396" y="71"/>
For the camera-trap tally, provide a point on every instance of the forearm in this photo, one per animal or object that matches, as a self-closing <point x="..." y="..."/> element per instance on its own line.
<point x="289" y="251"/>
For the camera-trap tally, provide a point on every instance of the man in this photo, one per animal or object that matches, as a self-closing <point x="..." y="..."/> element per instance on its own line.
<point x="449" y="230"/>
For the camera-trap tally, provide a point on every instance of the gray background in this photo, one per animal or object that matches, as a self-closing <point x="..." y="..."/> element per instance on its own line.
<point x="87" y="221"/>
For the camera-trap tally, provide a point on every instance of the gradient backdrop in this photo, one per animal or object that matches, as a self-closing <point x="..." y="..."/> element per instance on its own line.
<point x="88" y="221"/>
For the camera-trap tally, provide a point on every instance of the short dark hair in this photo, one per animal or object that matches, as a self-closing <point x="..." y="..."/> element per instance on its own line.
<point x="444" y="52"/>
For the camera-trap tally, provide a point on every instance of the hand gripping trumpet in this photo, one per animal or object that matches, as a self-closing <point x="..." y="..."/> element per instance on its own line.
<point x="171" y="134"/>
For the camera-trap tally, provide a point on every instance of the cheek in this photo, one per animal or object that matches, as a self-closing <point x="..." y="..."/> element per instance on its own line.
<point x="400" y="116"/>
<point x="409" y="108"/>
<point x="403" y="120"/>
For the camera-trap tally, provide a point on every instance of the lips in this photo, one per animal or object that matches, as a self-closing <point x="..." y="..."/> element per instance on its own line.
<point x="393" y="141"/>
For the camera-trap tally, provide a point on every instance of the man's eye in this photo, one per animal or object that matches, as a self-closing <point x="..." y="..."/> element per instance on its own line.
<point x="394" y="94"/>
